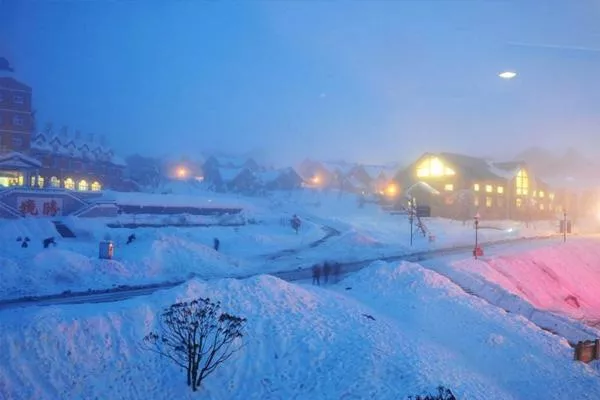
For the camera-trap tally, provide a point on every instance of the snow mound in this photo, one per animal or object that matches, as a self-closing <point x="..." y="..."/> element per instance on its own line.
<point x="36" y="229"/>
<point x="563" y="278"/>
<point x="300" y="342"/>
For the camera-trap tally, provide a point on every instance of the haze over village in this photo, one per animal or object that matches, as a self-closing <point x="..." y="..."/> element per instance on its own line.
<point x="308" y="200"/>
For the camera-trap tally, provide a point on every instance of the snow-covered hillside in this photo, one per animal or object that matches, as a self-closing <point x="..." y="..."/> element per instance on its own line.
<point x="301" y="342"/>
<point x="564" y="278"/>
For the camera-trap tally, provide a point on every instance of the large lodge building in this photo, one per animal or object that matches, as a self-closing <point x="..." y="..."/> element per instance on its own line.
<point x="458" y="186"/>
<point x="49" y="160"/>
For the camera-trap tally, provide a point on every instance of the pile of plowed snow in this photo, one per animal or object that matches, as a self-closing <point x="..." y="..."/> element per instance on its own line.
<point x="387" y="332"/>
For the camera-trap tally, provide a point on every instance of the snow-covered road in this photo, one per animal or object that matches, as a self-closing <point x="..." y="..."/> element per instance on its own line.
<point x="124" y="293"/>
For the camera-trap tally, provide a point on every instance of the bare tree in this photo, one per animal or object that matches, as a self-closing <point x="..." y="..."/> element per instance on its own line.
<point x="196" y="336"/>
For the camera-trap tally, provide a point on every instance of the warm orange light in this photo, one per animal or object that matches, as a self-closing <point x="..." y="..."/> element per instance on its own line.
<point x="392" y="189"/>
<point x="181" y="172"/>
<point x="316" y="179"/>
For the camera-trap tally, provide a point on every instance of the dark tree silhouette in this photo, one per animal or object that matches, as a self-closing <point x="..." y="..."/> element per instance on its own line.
<point x="196" y="336"/>
<point x="443" y="394"/>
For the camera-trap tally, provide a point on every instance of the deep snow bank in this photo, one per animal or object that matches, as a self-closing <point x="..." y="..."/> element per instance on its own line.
<point x="564" y="278"/>
<point x="301" y="342"/>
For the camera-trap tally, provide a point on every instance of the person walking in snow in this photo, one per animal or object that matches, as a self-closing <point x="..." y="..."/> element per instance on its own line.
<point x="316" y="274"/>
<point x="326" y="271"/>
<point x="216" y="244"/>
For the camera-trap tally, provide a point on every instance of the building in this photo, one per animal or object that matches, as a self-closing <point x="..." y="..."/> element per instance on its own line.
<point x="469" y="185"/>
<point x="16" y="115"/>
<point x="49" y="160"/>
<point x="76" y="163"/>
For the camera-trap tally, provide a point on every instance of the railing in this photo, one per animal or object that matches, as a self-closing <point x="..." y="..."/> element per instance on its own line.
<point x="91" y="206"/>
<point x="11" y="210"/>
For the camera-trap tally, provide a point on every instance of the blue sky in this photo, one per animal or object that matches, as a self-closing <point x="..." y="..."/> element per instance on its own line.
<point x="371" y="81"/>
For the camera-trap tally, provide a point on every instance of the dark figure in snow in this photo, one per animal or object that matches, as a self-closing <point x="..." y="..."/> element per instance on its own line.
<point x="131" y="238"/>
<point x="295" y="222"/>
<point x="336" y="271"/>
<point x="24" y="244"/>
<point x="326" y="271"/>
<point x="48" y="241"/>
<point x="316" y="274"/>
<point x="19" y="238"/>
<point x="216" y="244"/>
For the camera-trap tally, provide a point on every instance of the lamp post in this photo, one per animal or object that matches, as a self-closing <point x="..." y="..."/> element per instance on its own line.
<point x="411" y="211"/>
<point x="565" y="225"/>
<point x="476" y="235"/>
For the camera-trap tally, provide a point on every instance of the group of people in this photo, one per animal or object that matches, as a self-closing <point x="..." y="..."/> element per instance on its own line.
<point x="327" y="269"/>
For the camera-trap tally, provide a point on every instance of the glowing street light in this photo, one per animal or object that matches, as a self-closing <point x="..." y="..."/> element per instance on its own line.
<point x="507" y="74"/>
<point x="181" y="172"/>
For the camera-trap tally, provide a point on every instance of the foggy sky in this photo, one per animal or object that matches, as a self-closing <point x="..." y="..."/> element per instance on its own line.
<point x="368" y="81"/>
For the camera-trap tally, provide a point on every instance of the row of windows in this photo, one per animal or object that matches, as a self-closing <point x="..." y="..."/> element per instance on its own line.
<point x="449" y="187"/>
<point x="17" y="120"/>
<point x="16" y="98"/>
<point x="68" y="183"/>
<point x="489" y="202"/>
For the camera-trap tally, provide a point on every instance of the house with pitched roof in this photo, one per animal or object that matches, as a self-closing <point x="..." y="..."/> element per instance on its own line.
<point x="467" y="185"/>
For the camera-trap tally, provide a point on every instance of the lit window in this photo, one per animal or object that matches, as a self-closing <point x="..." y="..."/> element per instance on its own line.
<point x="534" y="193"/>
<point x="476" y="201"/>
<point x="18" y="99"/>
<point x="489" y="188"/>
<point x="83" y="185"/>
<point x="20" y="180"/>
<point x="500" y="189"/>
<point x="69" y="184"/>
<point x="433" y="167"/>
<point x="96" y="187"/>
<point x="551" y="196"/>
<point x="54" y="182"/>
<point x="541" y="206"/>
<point x="488" y="201"/>
<point x="522" y="183"/>
<point x="41" y="181"/>
<point x="541" y="194"/>
<point x="448" y="187"/>
<point x="476" y="187"/>
<point x="519" y="203"/>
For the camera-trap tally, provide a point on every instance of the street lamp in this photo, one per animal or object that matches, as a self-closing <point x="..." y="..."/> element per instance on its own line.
<point x="565" y="225"/>
<point x="411" y="211"/>
<point x="475" y="251"/>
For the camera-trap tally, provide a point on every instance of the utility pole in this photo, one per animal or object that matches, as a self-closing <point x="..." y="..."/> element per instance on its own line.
<point x="476" y="235"/>
<point x="565" y="226"/>
<point x="411" y="218"/>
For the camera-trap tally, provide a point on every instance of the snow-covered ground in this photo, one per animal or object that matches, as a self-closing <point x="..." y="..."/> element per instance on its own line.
<point x="301" y="342"/>
<point x="563" y="278"/>
<point x="266" y="245"/>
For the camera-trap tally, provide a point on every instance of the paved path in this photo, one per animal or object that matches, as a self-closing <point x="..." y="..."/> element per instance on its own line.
<point x="126" y="292"/>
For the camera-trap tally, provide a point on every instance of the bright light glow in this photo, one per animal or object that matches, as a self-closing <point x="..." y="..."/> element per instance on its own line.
<point x="316" y="179"/>
<point x="181" y="172"/>
<point x="392" y="189"/>
<point x="433" y="167"/>
<point x="507" y="74"/>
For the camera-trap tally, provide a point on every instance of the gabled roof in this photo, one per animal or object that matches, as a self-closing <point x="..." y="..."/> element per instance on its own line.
<point x="12" y="83"/>
<point x="342" y="167"/>
<point x="476" y="168"/>
<point x="14" y="159"/>
<point x="229" y="174"/>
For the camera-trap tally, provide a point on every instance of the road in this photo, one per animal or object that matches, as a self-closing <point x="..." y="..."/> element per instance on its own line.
<point x="124" y="293"/>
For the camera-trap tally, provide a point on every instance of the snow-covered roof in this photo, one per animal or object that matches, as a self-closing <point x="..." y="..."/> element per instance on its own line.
<point x="229" y="174"/>
<point x="342" y="167"/>
<point x="75" y="147"/>
<point x="269" y="176"/>
<point x="18" y="160"/>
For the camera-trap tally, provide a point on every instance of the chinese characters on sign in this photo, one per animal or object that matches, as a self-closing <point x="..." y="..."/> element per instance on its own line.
<point x="39" y="206"/>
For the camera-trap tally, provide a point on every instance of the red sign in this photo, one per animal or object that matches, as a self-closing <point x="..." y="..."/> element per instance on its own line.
<point x="39" y="207"/>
